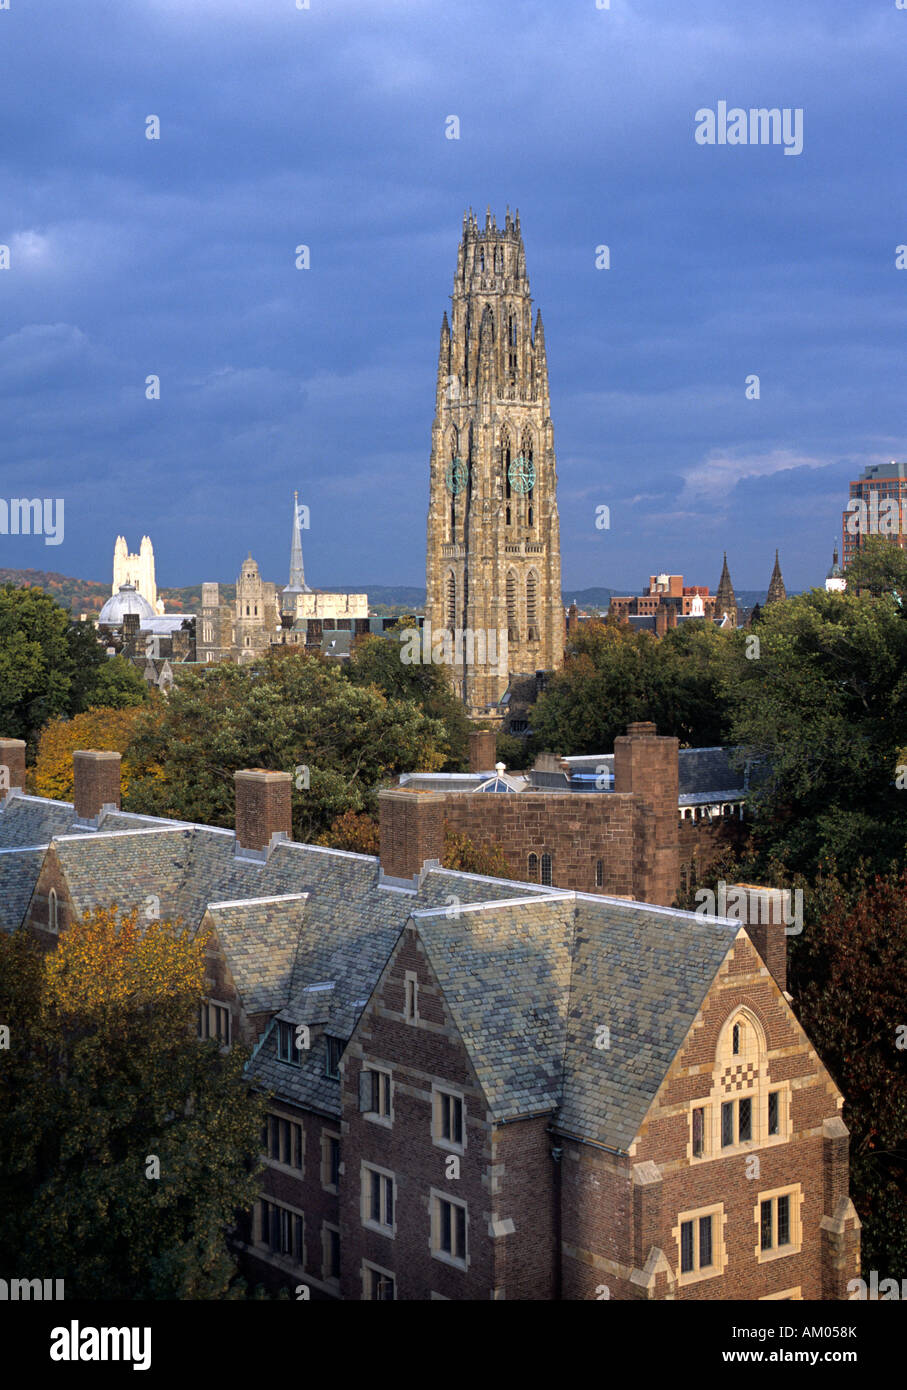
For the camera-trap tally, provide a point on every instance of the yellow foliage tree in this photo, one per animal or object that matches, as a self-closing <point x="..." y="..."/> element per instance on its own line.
<point x="107" y="729"/>
<point x="108" y="960"/>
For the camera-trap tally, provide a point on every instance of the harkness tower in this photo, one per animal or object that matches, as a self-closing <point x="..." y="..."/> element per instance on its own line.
<point x="493" y="558"/>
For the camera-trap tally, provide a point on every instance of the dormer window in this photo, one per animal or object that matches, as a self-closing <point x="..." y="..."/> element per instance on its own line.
<point x="333" y="1050"/>
<point x="743" y="1109"/>
<point x="287" y="1051"/>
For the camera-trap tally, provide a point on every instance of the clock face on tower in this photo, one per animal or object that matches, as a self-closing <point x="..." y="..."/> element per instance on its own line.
<point x="457" y="476"/>
<point x="521" y="474"/>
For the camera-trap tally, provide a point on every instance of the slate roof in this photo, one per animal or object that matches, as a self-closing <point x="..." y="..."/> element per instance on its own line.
<point x="531" y="985"/>
<point x="530" y="974"/>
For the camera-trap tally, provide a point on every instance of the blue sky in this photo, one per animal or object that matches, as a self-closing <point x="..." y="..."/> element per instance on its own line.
<point x="326" y="126"/>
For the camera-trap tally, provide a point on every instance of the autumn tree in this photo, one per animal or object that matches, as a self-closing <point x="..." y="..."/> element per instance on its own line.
<point x="107" y="729"/>
<point x="463" y="854"/>
<point x="127" y="1145"/>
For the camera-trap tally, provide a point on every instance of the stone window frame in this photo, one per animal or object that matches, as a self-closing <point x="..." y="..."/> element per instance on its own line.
<point x="264" y="1247"/>
<point x="207" y="1004"/>
<point x="436" y="1197"/>
<point x="280" y="1164"/>
<point x="758" y="1093"/>
<point x="369" y="1267"/>
<point x="385" y="1090"/>
<point x="546" y="859"/>
<point x="795" y="1244"/>
<point x="53" y="912"/>
<point x="439" y="1090"/>
<point x="326" y="1136"/>
<point x="365" y="1198"/>
<point x="794" y="1295"/>
<point x="332" y="1280"/>
<point x="411" y="1001"/>
<point x="719" y="1244"/>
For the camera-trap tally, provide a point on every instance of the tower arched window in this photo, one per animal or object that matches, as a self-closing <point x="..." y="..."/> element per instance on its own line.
<point x="481" y="260"/>
<point x="505" y="461"/>
<point x="513" y="634"/>
<point x="533" y="868"/>
<point x="451" y="600"/>
<point x="532" y="616"/>
<point x="53" y="913"/>
<point x="599" y="873"/>
<point x="546" y="869"/>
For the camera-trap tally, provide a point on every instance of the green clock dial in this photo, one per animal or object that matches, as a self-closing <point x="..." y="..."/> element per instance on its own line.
<point x="457" y="476"/>
<point x="521" y="474"/>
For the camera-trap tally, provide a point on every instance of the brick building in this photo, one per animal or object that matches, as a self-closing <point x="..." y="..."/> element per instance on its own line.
<point x="479" y="1089"/>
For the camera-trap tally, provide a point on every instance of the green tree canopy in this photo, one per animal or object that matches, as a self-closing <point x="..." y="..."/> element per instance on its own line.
<point x="289" y="712"/>
<point x="614" y="676"/>
<point x="822" y="703"/>
<point x="376" y="661"/>
<point x="878" y="567"/>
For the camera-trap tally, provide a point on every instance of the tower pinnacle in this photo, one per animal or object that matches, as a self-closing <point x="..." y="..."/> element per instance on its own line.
<point x="297" y="584"/>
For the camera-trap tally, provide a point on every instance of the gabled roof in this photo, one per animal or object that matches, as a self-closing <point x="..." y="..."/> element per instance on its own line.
<point x="574" y="1004"/>
<point x="260" y="938"/>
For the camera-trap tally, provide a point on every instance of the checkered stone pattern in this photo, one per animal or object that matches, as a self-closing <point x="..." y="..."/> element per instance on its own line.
<point x="740" y="1078"/>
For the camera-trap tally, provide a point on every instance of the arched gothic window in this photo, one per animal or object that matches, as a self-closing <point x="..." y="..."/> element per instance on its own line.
<point x="451" y="600"/>
<point x="532" y="617"/>
<point x="53" y="917"/>
<point x="512" y="619"/>
<point x="533" y="868"/>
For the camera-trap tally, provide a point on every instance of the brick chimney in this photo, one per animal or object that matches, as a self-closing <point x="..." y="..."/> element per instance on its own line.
<point x="646" y="765"/>
<point x="264" y="810"/>
<point x="96" y="783"/>
<point x="411" y="830"/>
<point x="483" y="751"/>
<point x="766" y="914"/>
<point x="12" y="765"/>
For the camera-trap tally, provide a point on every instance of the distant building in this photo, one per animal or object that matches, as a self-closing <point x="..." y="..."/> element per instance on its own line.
<point x="776" y="589"/>
<point x="835" y="582"/>
<point x="878" y="506"/>
<point x="263" y="616"/>
<point x="128" y="626"/>
<point x="137" y="570"/>
<point x="664" y="604"/>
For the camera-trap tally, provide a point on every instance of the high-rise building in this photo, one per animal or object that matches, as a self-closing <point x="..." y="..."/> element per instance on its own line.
<point x="877" y="507"/>
<point x="493" y="569"/>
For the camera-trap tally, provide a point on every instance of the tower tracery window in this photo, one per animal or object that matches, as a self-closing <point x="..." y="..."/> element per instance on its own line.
<point x="451" y="600"/>
<point x="744" y="1109"/>
<point x="513" y="633"/>
<point x="532" y="621"/>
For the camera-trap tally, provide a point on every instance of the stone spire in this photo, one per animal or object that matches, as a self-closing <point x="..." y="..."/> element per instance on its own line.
<point x="725" y="599"/>
<point x="297" y="584"/>
<point x="776" y="589"/>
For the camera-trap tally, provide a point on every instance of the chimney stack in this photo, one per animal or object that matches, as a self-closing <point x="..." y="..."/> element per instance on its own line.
<point x="264" y="810"/>
<point x="12" y="765"/>
<point x="483" y="750"/>
<point x="96" y="783"/>
<point x="411" y="830"/>
<point x="646" y="765"/>
<point x="766" y="915"/>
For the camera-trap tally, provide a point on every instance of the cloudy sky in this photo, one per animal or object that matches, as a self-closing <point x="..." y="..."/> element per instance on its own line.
<point x="279" y="126"/>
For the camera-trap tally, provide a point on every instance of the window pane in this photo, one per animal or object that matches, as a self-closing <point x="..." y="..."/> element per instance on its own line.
<point x="784" y="1220"/>
<point x="686" y="1247"/>
<point x="457" y="1121"/>
<point x="736" y="1039"/>
<point x="745" y="1120"/>
<point x="460" y="1249"/>
<point x="773" y="1125"/>
<point x="727" y="1123"/>
<point x="389" y="1195"/>
<point x="335" y="1161"/>
<point x="375" y="1196"/>
<point x="698" y="1132"/>
<point x="765" y="1225"/>
<point x="705" y="1242"/>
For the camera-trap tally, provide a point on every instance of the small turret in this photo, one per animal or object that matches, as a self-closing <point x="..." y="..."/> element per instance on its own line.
<point x="776" y="589"/>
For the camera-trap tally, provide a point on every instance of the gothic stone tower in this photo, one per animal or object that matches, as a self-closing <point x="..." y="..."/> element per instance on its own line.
<point x="493" y="566"/>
